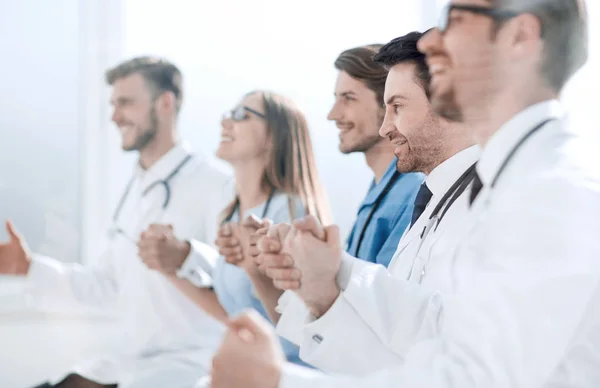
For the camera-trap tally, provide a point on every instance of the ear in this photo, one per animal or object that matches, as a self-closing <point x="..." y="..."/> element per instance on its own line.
<point x="527" y="36"/>
<point x="167" y="102"/>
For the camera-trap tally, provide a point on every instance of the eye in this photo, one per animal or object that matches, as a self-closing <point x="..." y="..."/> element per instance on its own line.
<point x="454" y="19"/>
<point x="349" y="98"/>
<point x="397" y="108"/>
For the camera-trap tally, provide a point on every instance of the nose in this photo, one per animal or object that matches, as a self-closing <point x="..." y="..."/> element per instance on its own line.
<point x="116" y="116"/>
<point x="335" y="114"/>
<point x="226" y="122"/>
<point x="387" y="127"/>
<point x="430" y="41"/>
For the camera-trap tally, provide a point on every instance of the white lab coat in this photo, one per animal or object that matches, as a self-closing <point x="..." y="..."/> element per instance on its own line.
<point x="166" y="340"/>
<point x="525" y="310"/>
<point x="374" y="323"/>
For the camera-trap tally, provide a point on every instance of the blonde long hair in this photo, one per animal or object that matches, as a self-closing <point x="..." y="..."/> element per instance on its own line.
<point x="291" y="169"/>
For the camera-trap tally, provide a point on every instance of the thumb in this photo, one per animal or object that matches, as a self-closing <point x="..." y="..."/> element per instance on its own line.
<point x="332" y="235"/>
<point x="311" y="224"/>
<point x="266" y="223"/>
<point x="225" y="230"/>
<point x="252" y="221"/>
<point x="249" y="325"/>
<point x="12" y="232"/>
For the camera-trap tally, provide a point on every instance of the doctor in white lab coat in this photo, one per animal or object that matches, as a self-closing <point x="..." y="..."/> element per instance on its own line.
<point x="524" y="310"/>
<point x="165" y="340"/>
<point x="369" y="319"/>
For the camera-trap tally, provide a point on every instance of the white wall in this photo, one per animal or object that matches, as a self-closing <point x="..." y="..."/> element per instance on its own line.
<point x="54" y="156"/>
<point x="229" y="47"/>
<point x="39" y="113"/>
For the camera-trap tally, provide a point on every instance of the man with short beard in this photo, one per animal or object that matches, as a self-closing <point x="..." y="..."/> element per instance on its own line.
<point x="164" y="339"/>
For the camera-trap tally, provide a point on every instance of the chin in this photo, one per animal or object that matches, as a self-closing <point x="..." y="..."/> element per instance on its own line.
<point x="406" y="165"/>
<point x="444" y="104"/>
<point x="128" y="147"/>
<point x="224" y="155"/>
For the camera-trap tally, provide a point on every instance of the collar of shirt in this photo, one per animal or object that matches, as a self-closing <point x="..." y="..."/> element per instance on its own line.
<point x="506" y="138"/>
<point x="165" y="165"/>
<point x="443" y="176"/>
<point x="377" y="188"/>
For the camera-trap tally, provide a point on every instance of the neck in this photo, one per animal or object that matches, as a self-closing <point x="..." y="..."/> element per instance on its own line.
<point x="378" y="158"/>
<point x="487" y="118"/>
<point x="164" y="140"/>
<point x="249" y="184"/>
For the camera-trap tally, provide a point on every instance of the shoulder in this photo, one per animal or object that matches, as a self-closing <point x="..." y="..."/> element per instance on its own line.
<point x="211" y="176"/>
<point x="403" y="193"/>
<point x="408" y="184"/>
<point x="412" y="179"/>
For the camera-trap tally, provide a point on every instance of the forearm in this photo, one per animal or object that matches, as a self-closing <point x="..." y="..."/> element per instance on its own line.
<point x="205" y="298"/>
<point x="53" y="284"/>
<point x="267" y="293"/>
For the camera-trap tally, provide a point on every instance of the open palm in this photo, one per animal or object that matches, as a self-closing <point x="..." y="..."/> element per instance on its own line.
<point x="14" y="254"/>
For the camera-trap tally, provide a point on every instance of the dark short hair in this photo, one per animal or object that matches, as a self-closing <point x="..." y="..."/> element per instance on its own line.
<point x="160" y="75"/>
<point x="404" y="50"/>
<point x="564" y="25"/>
<point x="358" y="63"/>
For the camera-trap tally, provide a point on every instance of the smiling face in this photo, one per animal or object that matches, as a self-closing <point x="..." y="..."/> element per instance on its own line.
<point x="409" y="123"/>
<point x="134" y="112"/>
<point x="357" y="114"/>
<point x="245" y="135"/>
<point x="467" y="65"/>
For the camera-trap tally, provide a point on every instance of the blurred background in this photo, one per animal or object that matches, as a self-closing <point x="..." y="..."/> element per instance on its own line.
<point x="61" y="166"/>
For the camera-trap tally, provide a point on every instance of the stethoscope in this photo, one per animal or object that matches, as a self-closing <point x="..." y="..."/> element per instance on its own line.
<point x="377" y="203"/>
<point x="165" y="183"/>
<point x="236" y="207"/>
<point x="458" y="188"/>
<point x="450" y="196"/>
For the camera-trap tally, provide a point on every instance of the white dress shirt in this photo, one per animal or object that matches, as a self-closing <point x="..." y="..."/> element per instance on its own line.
<point x="166" y="339"/>
<point x="524" y="312"/>
<point x="374" y="321"/>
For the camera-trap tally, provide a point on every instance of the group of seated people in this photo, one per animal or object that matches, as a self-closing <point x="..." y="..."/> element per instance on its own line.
<point x="473" y="260"/>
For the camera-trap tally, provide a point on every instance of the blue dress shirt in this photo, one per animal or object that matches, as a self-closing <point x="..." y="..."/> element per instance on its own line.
<point x="391" y="218"/>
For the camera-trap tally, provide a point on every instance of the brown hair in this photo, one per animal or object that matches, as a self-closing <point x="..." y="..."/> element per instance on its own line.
<point x="358" y="63"/>
<point x="404" y="49"/>
<point x="160" y="75"/>
<point x="564" y="28"/>
<point x="291" y="169"/>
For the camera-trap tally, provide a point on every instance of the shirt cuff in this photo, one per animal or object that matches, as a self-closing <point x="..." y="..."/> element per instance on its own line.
<point x="199" y="264"/>
<point x="294" y="315"/>
<point x="345" y="272"/>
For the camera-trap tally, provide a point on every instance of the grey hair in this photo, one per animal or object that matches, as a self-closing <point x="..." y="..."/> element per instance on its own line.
<point x="564" y="30"/>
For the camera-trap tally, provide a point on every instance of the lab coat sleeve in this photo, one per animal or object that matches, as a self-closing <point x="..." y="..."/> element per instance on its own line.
<point x="54" y="285"/>
<point x="294" y="376"/>
<point x="198" y="266"/>
<point x="294" y="314"/>
<point x="526" y="290"/>
<point x="369" y="318"/>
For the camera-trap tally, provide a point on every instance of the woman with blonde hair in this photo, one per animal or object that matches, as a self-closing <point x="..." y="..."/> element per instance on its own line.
<point x="266" y="140"/>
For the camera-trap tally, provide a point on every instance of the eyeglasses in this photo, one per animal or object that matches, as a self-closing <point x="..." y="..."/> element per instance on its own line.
<point x="494" y="13"/>
<point x="240" y="113"/>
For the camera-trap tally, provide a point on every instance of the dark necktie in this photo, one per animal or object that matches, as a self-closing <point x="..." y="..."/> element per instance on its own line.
<point x="475" y="188"/>
<point x="421" y="201"/>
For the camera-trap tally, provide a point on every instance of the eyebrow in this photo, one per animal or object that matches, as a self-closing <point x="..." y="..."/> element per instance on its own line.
<point x="344" y="94"/>
<point x="395" y="97"/>
<point x="119" y="100"/>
